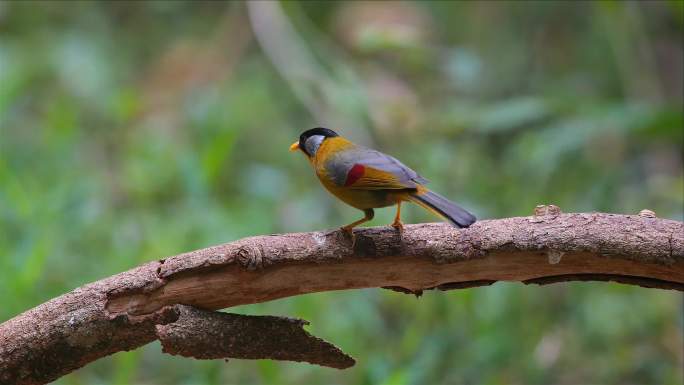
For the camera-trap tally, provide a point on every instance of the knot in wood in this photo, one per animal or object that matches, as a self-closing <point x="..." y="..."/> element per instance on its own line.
<point x="250" y="257"/>
<point x="554" y="256"/>
<point x="646" y="213"/>
<point x="544" y="210"/>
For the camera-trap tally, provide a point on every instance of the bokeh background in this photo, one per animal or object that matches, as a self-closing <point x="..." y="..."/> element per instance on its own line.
<point x="130" y="131"/>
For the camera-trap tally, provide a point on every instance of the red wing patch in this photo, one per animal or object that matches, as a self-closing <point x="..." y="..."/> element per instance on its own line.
<point x="354" y="174"/>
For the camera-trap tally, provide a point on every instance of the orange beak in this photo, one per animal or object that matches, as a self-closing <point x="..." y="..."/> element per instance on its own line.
<point x="294" y="146"/>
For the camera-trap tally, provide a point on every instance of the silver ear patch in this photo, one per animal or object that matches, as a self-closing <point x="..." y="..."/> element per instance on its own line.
<point x="311" y="145"/>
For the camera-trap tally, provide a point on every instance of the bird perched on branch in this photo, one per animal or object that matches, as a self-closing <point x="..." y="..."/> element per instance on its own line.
<point x="368" y="179"/>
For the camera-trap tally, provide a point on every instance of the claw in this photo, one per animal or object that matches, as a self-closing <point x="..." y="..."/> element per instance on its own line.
<point x="349" y="229"/>
<point x="399" y="225"/>
<point x="350" y="233"/>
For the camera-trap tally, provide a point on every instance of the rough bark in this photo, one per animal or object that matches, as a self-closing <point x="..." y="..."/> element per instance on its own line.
<point x="124" y="311"/>
<point x="209" y="335"/>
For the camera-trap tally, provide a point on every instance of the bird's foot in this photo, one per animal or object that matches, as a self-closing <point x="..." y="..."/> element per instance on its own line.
<point x="399" y="226"/>
<point x="349" y="231"/>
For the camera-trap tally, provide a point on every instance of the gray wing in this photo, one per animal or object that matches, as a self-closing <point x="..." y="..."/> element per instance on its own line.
<point x="342" y="163"/>
<point x="387" y="163"/>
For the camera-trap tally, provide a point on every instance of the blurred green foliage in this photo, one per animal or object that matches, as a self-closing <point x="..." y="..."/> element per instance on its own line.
<point x="135" y="130"/>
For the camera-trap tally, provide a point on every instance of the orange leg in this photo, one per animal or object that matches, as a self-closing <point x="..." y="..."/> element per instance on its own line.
<point x="398" y="224"/>
<point x="368" y="215"/>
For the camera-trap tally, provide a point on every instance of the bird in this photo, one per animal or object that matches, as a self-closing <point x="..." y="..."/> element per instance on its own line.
<point x="367" y="179"/>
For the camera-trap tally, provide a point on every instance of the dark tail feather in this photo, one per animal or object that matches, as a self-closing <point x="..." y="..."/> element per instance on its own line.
<point x="443" y="207"/>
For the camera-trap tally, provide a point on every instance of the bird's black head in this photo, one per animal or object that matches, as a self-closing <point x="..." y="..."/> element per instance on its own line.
<point x="317" y="135"/>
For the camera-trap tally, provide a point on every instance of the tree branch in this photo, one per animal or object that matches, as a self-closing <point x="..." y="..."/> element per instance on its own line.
<point x="125" y="311"/>
<point x="208" y="334"/>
